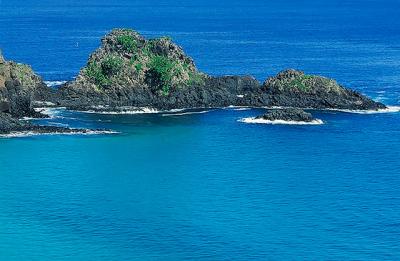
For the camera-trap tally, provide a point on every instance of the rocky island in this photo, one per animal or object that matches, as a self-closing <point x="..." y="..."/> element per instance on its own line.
<point x="20" y="88"/>
<point x="288" y="115"/>
<point x="128" y="70"/>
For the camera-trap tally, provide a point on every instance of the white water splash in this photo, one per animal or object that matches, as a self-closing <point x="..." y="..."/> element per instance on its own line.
<point x="51" y="112"/>
<point x="389" y="109"/>
<point x="253" y="120"/>
<point x="54" y="83"/>
<point x="23" y="134"/>
<point x="241" y="109"/>
<point x="185" y="113"/>
<point x="132" y="110"/>
<point x="238" y="108"/>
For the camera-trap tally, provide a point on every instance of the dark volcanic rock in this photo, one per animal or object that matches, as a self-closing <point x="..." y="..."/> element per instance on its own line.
<point x="151" y="73"/>
<point x="129" y="70"/>
<point x="8" y="125"/>
<point x="293" y="88"/>
<point x="19" y="87"/>
<point x="291" y="114"/>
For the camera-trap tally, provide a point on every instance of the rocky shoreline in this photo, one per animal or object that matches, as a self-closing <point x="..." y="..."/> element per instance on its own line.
<point x="289" y="115"/>
<point x="129" y="70"/>
<point x="10" y="125"/>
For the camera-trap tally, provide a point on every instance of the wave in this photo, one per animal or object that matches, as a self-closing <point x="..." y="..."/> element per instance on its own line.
<point x="43" y="104"/>
<point x="237" y="108"/>
<point x="51" y="112"/>
<point x="389" y="109"/>
<point x="54" y="83"/>
<point x="185" y="113"/>
<point x="143" y="110"/>
<point x="253" y="120"/>
<point x="129" y="110"/>
<point x="241" y="109"/>
<point x="23" y="134"/>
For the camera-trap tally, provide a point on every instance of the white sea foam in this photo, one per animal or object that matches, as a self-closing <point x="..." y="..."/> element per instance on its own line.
<point x="253" y="120"/>
<point x="43" y="104"/>
<point x="237" y="108"/>
<point x="28" y="118"/>
<point x="51" y="112"/>
<point x="185" y="113"/>
<point x="389" y="109"/>
<point x="132" y="110"/>
<point x="22" y="134"/>
<point x="241" y="109"/>
<point x="129" y="110"/>
<point x="54" y="83"/>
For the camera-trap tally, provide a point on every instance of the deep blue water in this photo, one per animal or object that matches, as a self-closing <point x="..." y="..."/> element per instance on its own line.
<point x="205" y="186"/>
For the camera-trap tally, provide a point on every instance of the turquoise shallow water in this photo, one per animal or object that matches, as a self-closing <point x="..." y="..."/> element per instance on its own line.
<point x="206" y="186"/>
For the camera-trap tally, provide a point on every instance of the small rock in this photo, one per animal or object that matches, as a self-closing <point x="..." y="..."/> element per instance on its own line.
<point x="291" y="114"/>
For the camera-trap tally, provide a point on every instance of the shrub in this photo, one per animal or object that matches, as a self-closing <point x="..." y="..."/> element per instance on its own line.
<point x="24" y="74"/>
<point x="111" y="65"/>
<point x="139" y="67"/>
<point x="95" y="73"/>
<point x="164" y="69"/>
<point x="147" y="49"/>
<point x="195" y="78"/>
<point x="128" y="42"/>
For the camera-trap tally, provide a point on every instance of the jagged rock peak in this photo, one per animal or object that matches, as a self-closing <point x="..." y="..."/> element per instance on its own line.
<point x="126" y="59"/>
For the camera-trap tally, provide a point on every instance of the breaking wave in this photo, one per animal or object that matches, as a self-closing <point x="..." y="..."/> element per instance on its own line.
<point x="185" y="113"/>
<point x="54" y="83"/>
<point x="127" y="111"/>
<point x="389" y="109"/>
<point x="22" y="134"/>
<point x="253" y="120"/>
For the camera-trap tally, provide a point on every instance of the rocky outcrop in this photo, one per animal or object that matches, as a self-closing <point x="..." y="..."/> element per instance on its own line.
<point x="129" y="70"/>
<point x="9" y="124"/>
<point x="290" y="115"/>
<point x="293" y="88"/>
<point x="19" y="87"/>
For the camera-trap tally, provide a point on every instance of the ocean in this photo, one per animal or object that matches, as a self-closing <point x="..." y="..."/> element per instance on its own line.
<point x="203" y="184"/>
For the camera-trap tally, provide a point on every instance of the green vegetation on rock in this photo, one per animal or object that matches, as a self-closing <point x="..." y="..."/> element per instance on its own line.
<point x="111" y="65"/>
<point x="298" y="81"/>
<point x="301" y="82"/>
<point x="165" y="69"/>
<point x="95" y="73"/>
<point x="101" y="73"/>
<point x="127" y="59"/>
<point x="128" y="42"/>
<point x="195" y="78"/>
<point x="139" y="67"/>
<point x="24" y="74"/>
